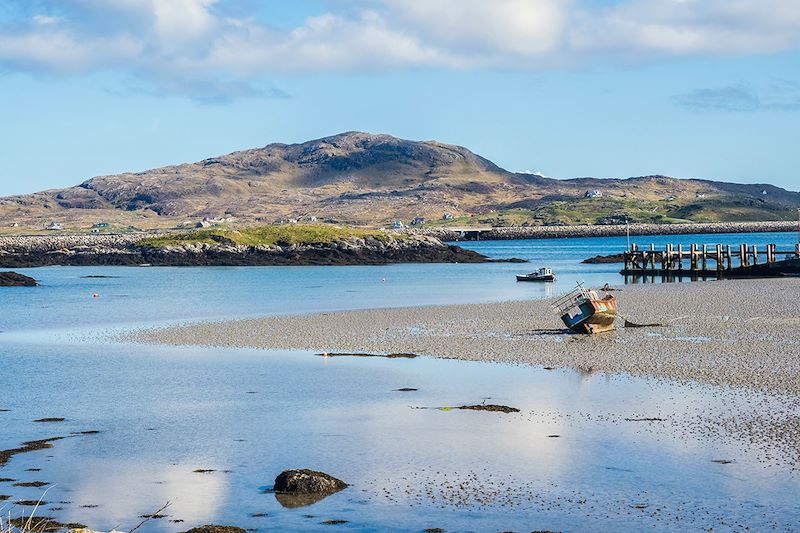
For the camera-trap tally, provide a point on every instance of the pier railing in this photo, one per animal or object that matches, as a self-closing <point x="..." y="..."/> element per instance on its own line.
<point x="709" y="260"/>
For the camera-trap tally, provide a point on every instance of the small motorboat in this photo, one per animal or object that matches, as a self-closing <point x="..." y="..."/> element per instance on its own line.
<point x="584" y="311"/>
<point x="543" y="274"/>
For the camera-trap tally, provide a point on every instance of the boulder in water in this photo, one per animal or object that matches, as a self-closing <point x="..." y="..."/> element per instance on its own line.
<point x="306" y="481"/>
<point x="13" y="279"/>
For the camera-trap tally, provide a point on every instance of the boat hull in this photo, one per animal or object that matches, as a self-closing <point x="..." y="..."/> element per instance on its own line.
<point x="592" y="316"/>
<point x="536" y="278"/>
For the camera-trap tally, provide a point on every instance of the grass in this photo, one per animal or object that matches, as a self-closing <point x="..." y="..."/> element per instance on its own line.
<point x="285" y="234"/>
<point x="45" y="524"/>
<point x="615" y="209"/>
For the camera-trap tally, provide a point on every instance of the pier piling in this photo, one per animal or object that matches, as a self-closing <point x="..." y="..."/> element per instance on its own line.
<point x="670" y="261"/>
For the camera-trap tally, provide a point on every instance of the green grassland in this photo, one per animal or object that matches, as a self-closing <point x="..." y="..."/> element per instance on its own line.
<point x="617" y="210"/>
<point x="284" y="235"/>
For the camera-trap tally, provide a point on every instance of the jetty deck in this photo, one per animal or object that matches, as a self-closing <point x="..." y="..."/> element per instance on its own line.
<point x="711" y="261"/>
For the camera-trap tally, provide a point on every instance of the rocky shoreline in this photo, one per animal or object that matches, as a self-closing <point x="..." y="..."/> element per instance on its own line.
<point x="128" y="250"/>
<point x="614" y="230"/>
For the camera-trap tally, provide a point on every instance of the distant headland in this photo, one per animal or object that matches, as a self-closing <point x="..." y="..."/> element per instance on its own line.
<point x="262" y="246"/>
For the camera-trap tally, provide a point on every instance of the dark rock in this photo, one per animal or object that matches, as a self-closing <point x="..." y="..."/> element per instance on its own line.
<point x="605" y="259"/>
<point x="41" y="524"/>
<point x="216" y="529"/>
<point x="50" y="419"/>
<point x="406" y="389"/>
<point x="26" y="447"/>
<point x="387" y="356"/>
<point x="490" y="407"/>
<point x="333" y="522"/>
<point x="13" y="279"/>
<point x="509" y="260"/>
<point x="306" y="481"/>
<point x="31" y="484"/>
<point x="30" y="503"/>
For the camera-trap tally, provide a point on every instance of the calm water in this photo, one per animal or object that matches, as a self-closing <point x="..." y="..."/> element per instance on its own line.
<point x="165" y="412"/>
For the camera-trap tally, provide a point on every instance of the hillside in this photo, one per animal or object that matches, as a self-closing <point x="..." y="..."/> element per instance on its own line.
<point x="366" y="179"/>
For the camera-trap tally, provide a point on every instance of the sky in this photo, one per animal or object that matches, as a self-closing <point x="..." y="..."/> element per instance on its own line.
<point x="566" y="88"/>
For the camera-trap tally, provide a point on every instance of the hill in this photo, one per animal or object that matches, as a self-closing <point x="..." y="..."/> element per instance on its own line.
<point x="366" y="179"/>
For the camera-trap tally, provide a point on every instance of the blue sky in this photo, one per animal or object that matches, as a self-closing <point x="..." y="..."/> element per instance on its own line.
<point x="689" y="88"/>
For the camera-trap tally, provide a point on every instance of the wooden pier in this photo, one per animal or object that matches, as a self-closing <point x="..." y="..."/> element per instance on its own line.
<point x="711" y="261"/>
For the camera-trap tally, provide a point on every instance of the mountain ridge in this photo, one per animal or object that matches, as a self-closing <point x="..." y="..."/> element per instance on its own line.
<point x="372" y="179"/>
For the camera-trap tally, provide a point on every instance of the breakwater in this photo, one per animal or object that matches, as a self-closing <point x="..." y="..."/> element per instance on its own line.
<point x="615" y="230"/>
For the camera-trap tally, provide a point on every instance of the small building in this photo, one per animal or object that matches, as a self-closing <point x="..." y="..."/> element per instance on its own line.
<point x="15" y="224"/>
<point x="593" y="194"/>
<point x="418" y="221"/>
<point x="100" y="225"/>
<point x="700" y="195"/>
<point x="397" y="224"/>
<point x="203" y="224"/>
<point x="54" y="226"/>
<point x="763" y="192"/>
<point x="447" y="216"/>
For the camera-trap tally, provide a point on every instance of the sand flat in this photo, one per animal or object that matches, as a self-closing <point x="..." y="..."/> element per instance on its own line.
<point x="734" y="332"/>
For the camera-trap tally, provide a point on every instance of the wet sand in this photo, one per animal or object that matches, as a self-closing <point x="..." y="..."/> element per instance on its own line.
<point x="742" y="333"/>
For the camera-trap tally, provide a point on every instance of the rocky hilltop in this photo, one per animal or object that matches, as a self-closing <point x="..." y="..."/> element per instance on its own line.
<point x="214" y="248"/>
<point x="361" y="178"/>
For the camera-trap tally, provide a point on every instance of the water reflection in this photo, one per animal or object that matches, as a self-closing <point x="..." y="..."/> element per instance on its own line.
<point x="125" y="491"/>
<point x="343" y="416"/>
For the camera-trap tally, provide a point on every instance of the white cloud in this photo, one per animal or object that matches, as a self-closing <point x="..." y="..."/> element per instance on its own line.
<point x="62" y="51"/>
<point x="690" y="27"/>
<point x="518" y="27"/>
<point x="171" y="41"/>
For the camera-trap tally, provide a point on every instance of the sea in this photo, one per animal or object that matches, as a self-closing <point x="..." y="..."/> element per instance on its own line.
<point x="206" y="430"/>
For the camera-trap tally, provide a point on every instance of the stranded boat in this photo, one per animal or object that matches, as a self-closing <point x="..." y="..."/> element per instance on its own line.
<point x="543" y="274"/>
<point x="584" y="311"/>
